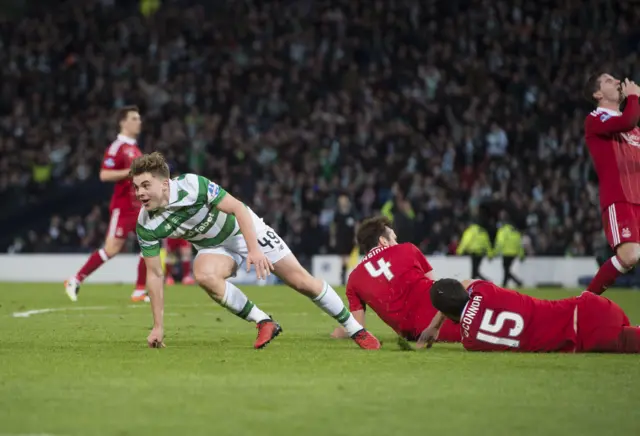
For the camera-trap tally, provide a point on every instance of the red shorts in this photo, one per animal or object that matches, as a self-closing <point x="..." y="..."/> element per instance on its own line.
<point x="174" y="244"/>
<point x="599" y="323"/>
<point x="621" y="223"/>
<point x="121" y="224"/>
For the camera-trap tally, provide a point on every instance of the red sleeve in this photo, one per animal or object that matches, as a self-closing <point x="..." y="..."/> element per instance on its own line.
<point x="422" y="260"/>
<point x="604" y="124"/>
<point x="355" y="303"/>
<point x="113" y="162"/>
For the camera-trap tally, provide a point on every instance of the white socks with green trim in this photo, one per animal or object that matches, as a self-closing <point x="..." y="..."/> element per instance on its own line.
<point x="237" y="303"/>
<point x="332" y="304"/>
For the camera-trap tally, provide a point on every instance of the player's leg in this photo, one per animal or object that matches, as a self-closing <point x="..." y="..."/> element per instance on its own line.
<point x="140" y="291"/>
<point x="186" y="258"/>
<point x="603" y="327"/>
<point x="324" y="296"/>
<point x="212" y="268"/>
<point x="506" y="267"/>
<point x="476" y="260"/>
<point x="114" y="242"/>
<point x="622" y="232"/>
<point x="170" y="262"/>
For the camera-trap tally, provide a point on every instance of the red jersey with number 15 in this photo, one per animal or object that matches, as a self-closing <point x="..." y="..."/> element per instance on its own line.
<point x="392" y="282"/>
<point x="497" y="319"/>
<point x="613" y="140"/>
<point x="119" y="156"/>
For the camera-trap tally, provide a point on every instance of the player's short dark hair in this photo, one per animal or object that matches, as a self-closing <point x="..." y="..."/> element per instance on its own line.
<point x="449" y="297"/>
<point x="123" y="112"/>
<point x="153" y="163"/>
<point x="591" y="86"/>
<point x="370" y="231"/>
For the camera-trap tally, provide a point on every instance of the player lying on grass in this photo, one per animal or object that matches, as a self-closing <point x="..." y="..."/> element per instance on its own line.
<point x="226" y="233"/>
<point x="496" y="319"/>
<point x="394" y="280"/>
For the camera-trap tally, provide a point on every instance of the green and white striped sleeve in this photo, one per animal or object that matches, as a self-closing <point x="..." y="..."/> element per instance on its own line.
<point x="149" y="244"/>
<point x="215" y="193"/>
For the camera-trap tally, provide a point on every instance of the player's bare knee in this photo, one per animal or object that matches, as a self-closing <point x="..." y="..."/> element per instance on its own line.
<point x="113" y="246"/>
<point x="629" y="253"/>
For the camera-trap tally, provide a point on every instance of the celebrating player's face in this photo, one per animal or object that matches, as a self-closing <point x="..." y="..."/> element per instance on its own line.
<point x="150" y="190"/>
<point x="610" y="88"/>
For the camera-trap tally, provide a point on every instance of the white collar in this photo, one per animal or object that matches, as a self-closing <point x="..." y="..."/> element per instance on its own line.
<point x="173" y="191"/>
<point x="126" y="139"/>
<point x="609" y="111"/>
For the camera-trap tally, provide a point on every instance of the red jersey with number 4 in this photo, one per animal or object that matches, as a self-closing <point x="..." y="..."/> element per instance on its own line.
<point x="119" y="156"/>
<point x="392" y="282"/>
<point x="497" y="319"/>
<point x="613" y="140"/>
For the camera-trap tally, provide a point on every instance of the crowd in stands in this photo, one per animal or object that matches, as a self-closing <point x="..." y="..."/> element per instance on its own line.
<point x="438" y="107"/>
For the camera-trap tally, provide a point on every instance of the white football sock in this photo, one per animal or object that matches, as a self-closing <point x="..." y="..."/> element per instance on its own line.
<point x="330" y="303"/>
<point x="237" y="303"/>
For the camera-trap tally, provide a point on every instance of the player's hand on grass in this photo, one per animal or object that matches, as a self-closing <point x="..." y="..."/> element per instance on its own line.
<point x="339" y="333"/>
<point x="427" y="337"/>
<point x="262" y="264"/>
<point x="629" y="87"/>
<point x="155" y="338"/>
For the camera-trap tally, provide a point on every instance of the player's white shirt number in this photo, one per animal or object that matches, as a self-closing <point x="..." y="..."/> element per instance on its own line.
<point x="491" y="325"/>
<point x="384" y="268"/>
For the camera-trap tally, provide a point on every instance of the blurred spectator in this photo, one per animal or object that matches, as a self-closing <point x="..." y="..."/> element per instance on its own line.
<point x="294" y="102"/>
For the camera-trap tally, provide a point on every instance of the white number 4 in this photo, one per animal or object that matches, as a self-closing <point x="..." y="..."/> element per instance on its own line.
<point x="383" y="268"/>
<point x="490" y="326"/>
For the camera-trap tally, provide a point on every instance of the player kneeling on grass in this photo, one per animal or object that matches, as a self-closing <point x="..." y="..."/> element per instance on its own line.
<point x="394" y="280"/>
<point x="496" y="319"/>
<point x="225" y="233"/>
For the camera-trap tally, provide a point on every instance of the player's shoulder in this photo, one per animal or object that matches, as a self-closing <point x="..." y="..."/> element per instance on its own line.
<point x="482" y="287"/>
<point x="143" y="217"/>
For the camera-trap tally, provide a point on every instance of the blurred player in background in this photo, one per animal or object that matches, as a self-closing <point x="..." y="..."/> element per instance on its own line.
<point x="124" y="207"/>
<point x="226" y="234"/>
<point x="496" y="319"/>
<point x="394" y="280"/>
<point x="178" y="250"/>
<point x="613" y="139"/>
<point x="343" y="232"/>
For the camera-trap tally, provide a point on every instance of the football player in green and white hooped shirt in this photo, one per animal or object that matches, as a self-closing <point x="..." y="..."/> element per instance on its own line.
<point x="226" y="233"/>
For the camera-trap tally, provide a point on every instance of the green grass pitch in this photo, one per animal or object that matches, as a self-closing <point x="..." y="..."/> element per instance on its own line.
<point x="84" y="369"/>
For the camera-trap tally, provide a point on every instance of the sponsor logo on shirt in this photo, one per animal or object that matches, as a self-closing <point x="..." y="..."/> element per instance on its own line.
<point x="110" y="163"/>
<point x="631" y="139"/>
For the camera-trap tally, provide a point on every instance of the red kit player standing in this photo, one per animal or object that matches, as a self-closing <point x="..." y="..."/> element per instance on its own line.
<point x="613" y="139"/>
<point x="394" y="280"/>
<point x="124" y="207"/>
<point x="178" y="249"/>
<point x="496" y="319"/>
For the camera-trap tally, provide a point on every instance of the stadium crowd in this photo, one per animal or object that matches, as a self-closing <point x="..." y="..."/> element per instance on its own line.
<point x="439" y="107"/>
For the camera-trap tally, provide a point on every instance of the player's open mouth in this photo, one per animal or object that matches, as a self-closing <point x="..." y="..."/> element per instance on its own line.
<point x="145" y="201"/>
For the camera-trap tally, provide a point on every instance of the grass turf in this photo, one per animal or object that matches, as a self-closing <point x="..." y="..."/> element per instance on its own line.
<point x="85" y="370"/>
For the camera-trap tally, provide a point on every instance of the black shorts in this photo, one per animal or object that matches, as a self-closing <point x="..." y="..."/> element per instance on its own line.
<point x="344" y="248"/>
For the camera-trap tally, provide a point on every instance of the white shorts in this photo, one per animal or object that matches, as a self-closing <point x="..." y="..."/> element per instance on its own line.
<point x="236" y="247"/>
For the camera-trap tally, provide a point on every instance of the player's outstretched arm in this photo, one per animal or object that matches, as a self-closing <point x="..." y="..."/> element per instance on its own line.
<point x="155" y="286"/>
<point x="113" y="175"/>
<point x="231" y="205"/>
<point x="430" y="334"/>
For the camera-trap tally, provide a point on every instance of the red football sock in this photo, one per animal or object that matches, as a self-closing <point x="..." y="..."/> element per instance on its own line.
<point x="141" y="283"/>
<point x="168" y="269"/>
<point x="606" y="275"/>
<point x="94" y="262"/>
<point x="186" y="268"/>
<point x="629" y="340"/>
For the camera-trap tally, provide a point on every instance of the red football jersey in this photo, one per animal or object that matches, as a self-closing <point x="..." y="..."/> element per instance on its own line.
<point x="392" y="282"/>
<point x="613" y="140"/>
<point x="119" y="156"/>
<point x="497" y="319"/>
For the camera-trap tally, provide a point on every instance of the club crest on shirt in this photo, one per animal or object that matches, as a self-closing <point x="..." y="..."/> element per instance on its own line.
<point x="626" y="233"/>
<point x="631" y="139"/>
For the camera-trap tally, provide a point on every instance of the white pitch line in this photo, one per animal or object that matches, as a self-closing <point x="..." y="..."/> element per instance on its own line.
<point x="28" y="313"/>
